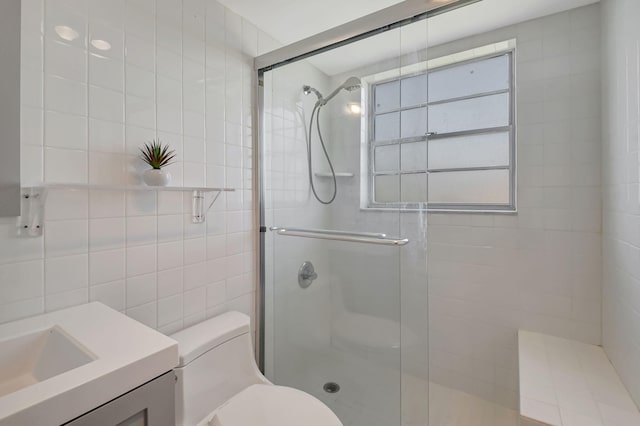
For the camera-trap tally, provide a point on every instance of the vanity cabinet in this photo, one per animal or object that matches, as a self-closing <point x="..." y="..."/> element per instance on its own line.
<point x="10" y="108"/>
<point x="152" y="404"/>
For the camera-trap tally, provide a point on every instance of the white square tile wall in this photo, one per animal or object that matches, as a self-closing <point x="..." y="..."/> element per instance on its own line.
<point x="621" y="159"/>
<point x="491" y="274"/>
<point x="100" y="78"/>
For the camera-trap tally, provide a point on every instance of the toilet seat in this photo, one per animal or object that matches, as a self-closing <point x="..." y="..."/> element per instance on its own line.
<point x="270" y="405"/>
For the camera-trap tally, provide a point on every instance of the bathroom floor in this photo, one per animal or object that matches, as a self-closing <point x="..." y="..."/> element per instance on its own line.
<point x="447" y="407"/>
<point x="370" y="392"/>
<point x="450" y="407"/>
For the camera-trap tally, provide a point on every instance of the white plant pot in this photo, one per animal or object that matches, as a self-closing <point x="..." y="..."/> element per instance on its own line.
<point x="156" y="177"/>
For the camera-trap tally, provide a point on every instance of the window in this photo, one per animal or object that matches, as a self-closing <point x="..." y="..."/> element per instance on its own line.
<point x="449" y="133"/>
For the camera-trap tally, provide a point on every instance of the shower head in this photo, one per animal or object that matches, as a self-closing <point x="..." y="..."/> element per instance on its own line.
<point x="350" y="84"/>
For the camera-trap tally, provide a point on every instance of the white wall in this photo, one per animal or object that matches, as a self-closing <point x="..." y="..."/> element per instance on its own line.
<point x="539" y="270"/>
<point x="178" y="70"/>
<point x="621" y="160"/>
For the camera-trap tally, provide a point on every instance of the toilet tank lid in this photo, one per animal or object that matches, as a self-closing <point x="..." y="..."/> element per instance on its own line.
<point x="202" y="337"/>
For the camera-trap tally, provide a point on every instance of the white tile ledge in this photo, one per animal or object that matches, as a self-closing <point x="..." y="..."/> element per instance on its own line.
<point x="570" y="383"/>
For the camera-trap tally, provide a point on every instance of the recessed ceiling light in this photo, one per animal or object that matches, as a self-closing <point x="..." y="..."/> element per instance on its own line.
<point x="101" y="44"/>
<point x="66" y="33"/>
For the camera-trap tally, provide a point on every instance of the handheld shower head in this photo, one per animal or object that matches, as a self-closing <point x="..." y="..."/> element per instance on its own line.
<point x="350" y="84"/>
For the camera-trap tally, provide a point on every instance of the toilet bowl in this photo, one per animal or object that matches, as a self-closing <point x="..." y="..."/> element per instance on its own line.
<point x="219" y="384"/>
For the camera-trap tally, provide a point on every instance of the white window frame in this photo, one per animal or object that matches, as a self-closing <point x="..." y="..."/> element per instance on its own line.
<point x="446" y="207"/>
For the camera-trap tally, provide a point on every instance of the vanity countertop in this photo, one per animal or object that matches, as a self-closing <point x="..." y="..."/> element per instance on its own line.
<point x="126" y="355"/>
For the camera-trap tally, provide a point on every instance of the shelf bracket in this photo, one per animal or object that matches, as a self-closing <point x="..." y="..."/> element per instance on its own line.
<point x="199" y="213"/>
<point x="31" y="220"/>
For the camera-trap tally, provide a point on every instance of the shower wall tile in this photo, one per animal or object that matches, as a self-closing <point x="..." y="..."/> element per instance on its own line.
<point x="100" y="78"/>
<point x="539" y="270"/>
<point x="621" y="168"/>
<point x="492" y="274"/>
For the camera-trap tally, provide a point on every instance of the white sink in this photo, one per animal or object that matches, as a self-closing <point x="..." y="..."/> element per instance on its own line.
<point x="38" y="356"/>
<point x="60" y="365"/>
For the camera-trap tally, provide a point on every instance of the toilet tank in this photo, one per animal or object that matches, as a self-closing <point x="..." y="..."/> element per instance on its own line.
<point x="216" y="362"/>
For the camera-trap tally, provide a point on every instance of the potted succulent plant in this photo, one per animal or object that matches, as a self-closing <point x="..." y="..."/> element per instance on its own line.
<point x="157" y="155"/>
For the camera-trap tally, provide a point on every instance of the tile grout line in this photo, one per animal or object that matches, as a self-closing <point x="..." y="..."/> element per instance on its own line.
<point x="88" y="28"/>
<point x="44" y="164"/>
<point x="125" y="195"/>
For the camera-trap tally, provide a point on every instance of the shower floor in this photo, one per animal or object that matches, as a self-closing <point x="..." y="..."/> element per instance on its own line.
<point x="370" y="392"/>
<point x="450" y="407"/>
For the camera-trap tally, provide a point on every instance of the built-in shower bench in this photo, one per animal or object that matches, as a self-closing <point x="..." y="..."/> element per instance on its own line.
<point x="569" y="383"/>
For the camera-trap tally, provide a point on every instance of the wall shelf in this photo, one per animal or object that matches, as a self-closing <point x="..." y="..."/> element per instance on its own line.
<point x="91" y="187"/>
<point x="33" y="199"/>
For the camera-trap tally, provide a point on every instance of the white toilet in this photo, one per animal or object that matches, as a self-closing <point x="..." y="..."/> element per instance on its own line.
<point x="219" y="384"/>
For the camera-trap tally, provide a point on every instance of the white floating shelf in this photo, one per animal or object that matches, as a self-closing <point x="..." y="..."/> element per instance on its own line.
<point x="33" y="201"/>
<point x="338" y="175"/>
<point x="82" y="186"/>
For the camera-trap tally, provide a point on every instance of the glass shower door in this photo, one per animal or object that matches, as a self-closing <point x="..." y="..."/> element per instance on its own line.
<point x="345" y="278"/>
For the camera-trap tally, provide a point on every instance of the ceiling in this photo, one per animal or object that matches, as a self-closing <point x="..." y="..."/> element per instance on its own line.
<point x="289" y="21"/>
<point x="489" y="15"/>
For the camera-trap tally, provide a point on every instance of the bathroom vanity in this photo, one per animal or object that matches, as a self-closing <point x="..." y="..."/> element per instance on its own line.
<point x="86" y="365"/>
<point x="151" y="404"/>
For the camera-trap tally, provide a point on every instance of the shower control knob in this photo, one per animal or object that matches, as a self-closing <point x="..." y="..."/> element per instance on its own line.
<point x="306" y="274"/>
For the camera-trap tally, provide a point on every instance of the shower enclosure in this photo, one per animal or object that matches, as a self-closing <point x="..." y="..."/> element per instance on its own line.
<point x="343" y="186"/>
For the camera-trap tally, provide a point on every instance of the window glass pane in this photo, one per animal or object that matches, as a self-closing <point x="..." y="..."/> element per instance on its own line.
<point x="490" y="149"/>
<point x="414" y="156"/>
<point x="470" y="114"/>
<point x="387" y="126"/>
<point x="414" y="122"/>
<point x="387" y="189"/>
<point x="387" y="158"/>
<point x="387" y="96"/>
<point x="472" y="187"/>
<point x="463" y="80"/>
<point x="414" y="91"/>
<point x="413" y="188"/>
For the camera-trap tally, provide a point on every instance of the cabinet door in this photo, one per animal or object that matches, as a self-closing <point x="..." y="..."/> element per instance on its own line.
<point x="10" y="108"/>
<point x="152" y="404"/>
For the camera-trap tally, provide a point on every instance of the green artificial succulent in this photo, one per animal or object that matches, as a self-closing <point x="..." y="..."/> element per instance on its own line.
<point x="156" y="154"/>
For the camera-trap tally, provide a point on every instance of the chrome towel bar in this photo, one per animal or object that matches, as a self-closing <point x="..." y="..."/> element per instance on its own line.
<point x="354" y="237"/>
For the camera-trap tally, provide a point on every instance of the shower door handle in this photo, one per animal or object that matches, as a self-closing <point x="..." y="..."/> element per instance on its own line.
<point x="353" y="237"/>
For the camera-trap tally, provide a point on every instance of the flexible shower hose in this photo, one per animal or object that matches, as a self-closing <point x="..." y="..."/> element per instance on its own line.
<point x="316" y="113"/>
